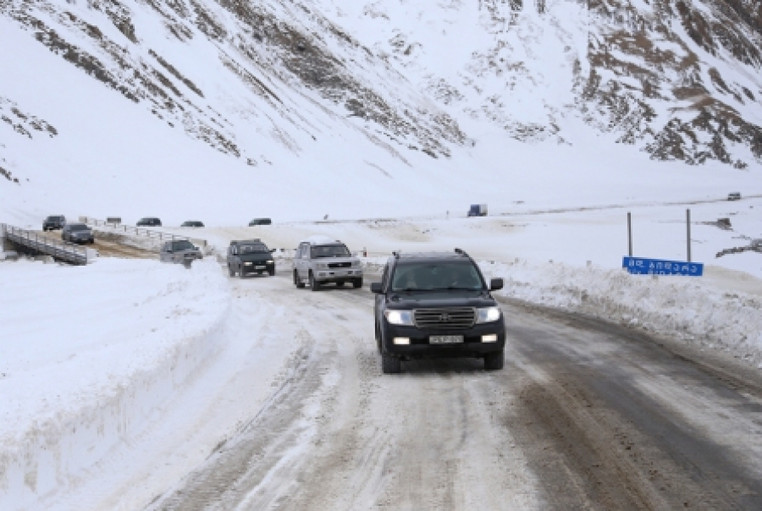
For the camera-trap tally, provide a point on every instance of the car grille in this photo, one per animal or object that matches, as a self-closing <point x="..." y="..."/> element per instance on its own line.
<point x="456" y="317"/>
<point x="345" y="264"/>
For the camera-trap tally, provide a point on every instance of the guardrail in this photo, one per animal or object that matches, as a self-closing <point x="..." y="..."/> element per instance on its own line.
<point x="120" y="228"/>
<point x="34" y="242"/>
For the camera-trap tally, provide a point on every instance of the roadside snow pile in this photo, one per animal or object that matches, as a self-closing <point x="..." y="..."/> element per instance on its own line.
<point x="92" y="350"/>
<point x="686" y="308"/>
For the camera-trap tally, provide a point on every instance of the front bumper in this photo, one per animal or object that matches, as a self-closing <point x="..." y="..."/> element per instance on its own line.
<point x="258" y="267"/>
<point x="338" y="274"/>
<point x="479" y="340"/>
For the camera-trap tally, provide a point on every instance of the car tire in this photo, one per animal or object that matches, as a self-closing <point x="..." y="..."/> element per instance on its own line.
<point x="494" y="361"/>
<point x="357" y="283"/>
<point x="240" y="272"/>
<point x="390" y="364"/>
<point x="297" y="281"/>
<point x="314" y="284"/>
<point x="231" y="272"/>
<point x="271" y="272"/>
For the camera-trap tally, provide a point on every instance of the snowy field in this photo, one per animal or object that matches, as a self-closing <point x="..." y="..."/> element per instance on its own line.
<point x="91" y="353"/>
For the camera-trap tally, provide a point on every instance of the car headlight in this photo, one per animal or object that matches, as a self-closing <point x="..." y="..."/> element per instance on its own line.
<point x="397" y="317"/>
<point x="488" y="314"/>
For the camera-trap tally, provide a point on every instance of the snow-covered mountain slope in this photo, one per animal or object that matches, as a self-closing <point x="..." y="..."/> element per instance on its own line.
<point x="298" y="99"/>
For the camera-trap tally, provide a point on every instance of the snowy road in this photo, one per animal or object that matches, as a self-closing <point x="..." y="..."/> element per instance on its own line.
<point x="584" y="416"/>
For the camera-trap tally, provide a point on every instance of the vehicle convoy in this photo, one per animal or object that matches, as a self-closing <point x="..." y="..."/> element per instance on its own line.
<point x="436" y="304"/>
<point x="77" y="233"/>
<point x="179" y="251"/>
<point x="320" y="261"/>
<point x="250" y="256"/>
<point x="53" y="222"/>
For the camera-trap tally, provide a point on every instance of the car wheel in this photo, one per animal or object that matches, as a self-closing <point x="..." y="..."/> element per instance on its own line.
<point x="357" y="283"/>
<point x="231" y="272"/>
<point x="494" y="361"/>
<point x="390" y="364"/>
<point x="271" y="272"/>
<point x="240" y="271"/>
<point x="297" y="281"/>
<point x="314" y="284"/>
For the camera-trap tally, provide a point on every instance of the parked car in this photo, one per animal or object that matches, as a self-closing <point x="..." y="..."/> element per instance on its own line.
<point x="77" y="233"/>
<point x="192" y="223"/>
<point x="319" y="261"/>
<point x="734" y="196"/>
<point x="436" y="304"/>
<point x="756" y="244"/>
<point x="179" y="251"/>
<point x="250" y="256"/>
<point x="260" y="221"/>
<point x="53" y="222"/>
<point x="149" y="221"/>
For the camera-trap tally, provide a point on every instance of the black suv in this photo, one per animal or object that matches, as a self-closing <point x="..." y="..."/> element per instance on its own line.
<point x="436" y="304"/>
<point x="250" y="256"/>
<point x="53" y="222"/>
<point x="149" y="221"/>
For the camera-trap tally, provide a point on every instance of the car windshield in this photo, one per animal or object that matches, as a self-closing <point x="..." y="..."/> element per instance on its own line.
<point x="78" y="227"/>
<point x="435" y="276"/>
<point x="329" y="251"/>
<point x="253" y="248"/>
<point x="182" y="245"/>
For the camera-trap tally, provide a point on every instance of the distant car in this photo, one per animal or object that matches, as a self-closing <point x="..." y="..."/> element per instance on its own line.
<point x="734" y="196"/>
<point x="477" y="210"/>
<point x="77" y="233"/>
<point x="320" y="261"/>
<point x="260" y="221"/>
<point x="192" y="223"/>
<point x="53" y="222"/>
<point x="179" y="251"/>
<point x="756" y="244"/>
<point x="149" y="221"/>
<point x="250" y="256"/>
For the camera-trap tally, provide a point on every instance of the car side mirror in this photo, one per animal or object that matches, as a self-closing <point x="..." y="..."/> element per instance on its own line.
<point x="495" y="284"/>
<point x="375" y="287"/>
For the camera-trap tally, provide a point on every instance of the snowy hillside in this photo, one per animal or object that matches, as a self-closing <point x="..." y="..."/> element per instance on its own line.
<point x="291" y="102"/>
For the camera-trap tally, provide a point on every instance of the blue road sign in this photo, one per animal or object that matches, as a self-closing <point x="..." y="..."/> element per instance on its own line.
<point x="641" y="265"/>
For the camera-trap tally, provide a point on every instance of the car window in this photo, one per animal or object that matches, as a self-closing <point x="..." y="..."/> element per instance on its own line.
<point x="436" y="276"/>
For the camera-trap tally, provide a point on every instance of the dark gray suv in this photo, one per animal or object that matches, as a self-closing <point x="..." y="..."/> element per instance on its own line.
<point x="250" y="256"/>
<point x="53" y="222"/>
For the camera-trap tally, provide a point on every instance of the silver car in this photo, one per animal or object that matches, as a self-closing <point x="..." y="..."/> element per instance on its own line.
<point x="323" y="261"/>
<point x="179" y="251"/>
<point x="77" y="233"/>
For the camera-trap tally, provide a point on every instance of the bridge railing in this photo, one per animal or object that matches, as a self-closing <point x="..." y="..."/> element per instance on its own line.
<point x="36" y="242"/>
<point x="130" y="230"/>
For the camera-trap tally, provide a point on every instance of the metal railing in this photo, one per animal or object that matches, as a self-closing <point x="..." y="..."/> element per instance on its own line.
<point x="145" y="232"/>
<point x="37" y="243"/>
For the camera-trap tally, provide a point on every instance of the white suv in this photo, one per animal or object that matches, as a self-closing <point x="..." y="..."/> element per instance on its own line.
<point x="320" y="261"/>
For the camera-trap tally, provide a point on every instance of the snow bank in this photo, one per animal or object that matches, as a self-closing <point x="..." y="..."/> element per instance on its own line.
<point x="88" y="355"/>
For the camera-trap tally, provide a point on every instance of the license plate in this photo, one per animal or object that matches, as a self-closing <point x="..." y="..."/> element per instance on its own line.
<point x="445" y="339"/>
<point x="260" y="267"/>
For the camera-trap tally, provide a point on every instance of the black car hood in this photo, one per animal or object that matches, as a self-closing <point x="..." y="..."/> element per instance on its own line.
<point x="446" y="298"/>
